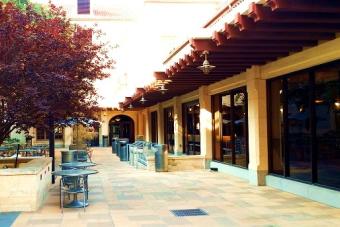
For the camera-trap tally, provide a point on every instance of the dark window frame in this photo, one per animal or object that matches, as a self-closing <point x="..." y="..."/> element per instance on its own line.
<point x="185" y="106"/>
<point x="84" y="7"/>
<point x="58" y="135"/>
<point x="312" y="118"/>
<point x="169" y="128"/>
<point x="230" y="92"/>
<point x="154" y="126"/>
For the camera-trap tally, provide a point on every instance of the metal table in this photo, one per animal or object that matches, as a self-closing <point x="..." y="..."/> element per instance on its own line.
<point x="75" y="173"/>
<point x="30" y="151"/>
<point x="78" y="165"/>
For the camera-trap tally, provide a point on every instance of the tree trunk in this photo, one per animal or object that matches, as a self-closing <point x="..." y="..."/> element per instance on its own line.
<point x="16" y="157"/>
<point x="51" y="143"/>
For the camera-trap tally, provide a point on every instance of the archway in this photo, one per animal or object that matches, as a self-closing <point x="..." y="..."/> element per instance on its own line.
<point x="121" y="126"/>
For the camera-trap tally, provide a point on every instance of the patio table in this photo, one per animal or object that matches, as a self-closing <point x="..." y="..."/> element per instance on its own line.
<point x="30" y="151"/>
<point x="78" y="165"/>
<point x="4" y="150"/>
<point x="75" y="173"/>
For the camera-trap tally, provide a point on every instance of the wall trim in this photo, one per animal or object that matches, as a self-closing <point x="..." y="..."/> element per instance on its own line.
<point x="228" y="84"/>
<point x="313" y="56"/>
<point x="232" y="170"/>
<point x="320" y="194"/>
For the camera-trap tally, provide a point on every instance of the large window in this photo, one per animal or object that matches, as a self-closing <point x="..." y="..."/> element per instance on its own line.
<point x="305" y="125"/>
<point x="191" y="126"/>
<point x="169" y="128"/>
<point x="230" y="127"/>
<point x="83" y="6"/>
<point x="154" y="127"/>
<point x="42" y="134"/>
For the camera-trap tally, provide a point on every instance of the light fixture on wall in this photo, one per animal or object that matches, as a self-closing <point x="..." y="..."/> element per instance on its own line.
<point x="206" y="67"/>
<point x="143" y="100"/>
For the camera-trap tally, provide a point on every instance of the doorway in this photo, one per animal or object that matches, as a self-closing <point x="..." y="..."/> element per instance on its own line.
<point x="121" y="126"/>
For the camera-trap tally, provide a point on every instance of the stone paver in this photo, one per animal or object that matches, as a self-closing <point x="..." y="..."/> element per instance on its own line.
<point x="123" y="196"/>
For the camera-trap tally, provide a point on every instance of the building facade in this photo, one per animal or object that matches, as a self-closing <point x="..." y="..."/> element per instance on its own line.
<point x="269" y="112"/>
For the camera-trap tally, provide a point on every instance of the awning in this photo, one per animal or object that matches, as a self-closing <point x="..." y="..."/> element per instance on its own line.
<point x="266" y="32"/>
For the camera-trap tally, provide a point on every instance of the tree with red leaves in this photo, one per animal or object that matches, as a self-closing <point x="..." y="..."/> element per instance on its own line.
<point x="47" y="68"/>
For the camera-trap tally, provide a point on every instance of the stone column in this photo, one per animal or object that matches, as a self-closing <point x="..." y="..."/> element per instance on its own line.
<point x="257" y="124"/>
<point x="205" y="124"/>
<point x="160" y="124"/>
<point x="178" y="127"/>
<point x="68" y="136"/>
<point x="140" y="122"/>
<point x="104" y="128"/>
<point x="33" y="132"/>
<point x="146" y="123"/>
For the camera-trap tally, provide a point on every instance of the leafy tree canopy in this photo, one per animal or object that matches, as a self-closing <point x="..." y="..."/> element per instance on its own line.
<point x="47" y="67"/>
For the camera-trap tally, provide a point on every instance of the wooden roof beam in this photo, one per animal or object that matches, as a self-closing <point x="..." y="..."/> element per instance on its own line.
<point x="160" y="76"/>
<point x="260" y="13"/>
<point x="304" y="6"/>
<point x="232" y="32"/>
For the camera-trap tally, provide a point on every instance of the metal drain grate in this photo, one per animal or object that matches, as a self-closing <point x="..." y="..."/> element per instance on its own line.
<point x="188" y="212"/>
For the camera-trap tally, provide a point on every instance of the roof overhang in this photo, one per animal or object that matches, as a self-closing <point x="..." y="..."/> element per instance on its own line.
<point x="261" y="34"/>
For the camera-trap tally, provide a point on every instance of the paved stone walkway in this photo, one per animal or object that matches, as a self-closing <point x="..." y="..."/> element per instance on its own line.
<point x="123" y="196"/>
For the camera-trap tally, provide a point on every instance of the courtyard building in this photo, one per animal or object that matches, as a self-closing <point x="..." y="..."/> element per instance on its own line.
<point x="253" y="94"/>
<point x="269" y="111"/>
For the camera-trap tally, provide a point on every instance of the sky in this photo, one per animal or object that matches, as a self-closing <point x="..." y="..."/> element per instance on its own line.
<point x="143" y="33"/>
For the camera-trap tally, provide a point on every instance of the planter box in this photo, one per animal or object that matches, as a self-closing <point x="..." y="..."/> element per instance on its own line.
<point x="25" y="188"/>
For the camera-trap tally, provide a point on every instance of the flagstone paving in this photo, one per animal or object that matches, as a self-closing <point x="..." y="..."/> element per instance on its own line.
<point x="123" y="196"/>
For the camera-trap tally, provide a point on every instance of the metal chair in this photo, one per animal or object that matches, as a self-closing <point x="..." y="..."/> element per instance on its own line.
<point x="79" y="186"/>
<point x="82" y="156"/>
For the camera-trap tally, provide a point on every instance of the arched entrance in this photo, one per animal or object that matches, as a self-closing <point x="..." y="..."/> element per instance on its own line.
<point x="121" y="126"/>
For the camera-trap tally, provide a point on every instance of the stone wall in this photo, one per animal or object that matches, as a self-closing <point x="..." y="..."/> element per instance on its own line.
<point x="25" y="188"/>
<point x="186" y="162"/>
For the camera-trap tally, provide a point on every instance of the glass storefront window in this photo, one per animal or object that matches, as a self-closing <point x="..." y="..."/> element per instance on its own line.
<point x="304" y="110"/>
<point x="299" y="133"/>
<point x="276" y="130"/>
<point x="154" y="127"/>
<point x="226" y="144"/>
<point x="327" y="109"/>
<point x="230" y="127"/>
<point x="169" y="138"/>
<point x="191" y="126"/>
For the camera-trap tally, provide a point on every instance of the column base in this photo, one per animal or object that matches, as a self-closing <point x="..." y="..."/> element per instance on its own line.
<point x="178" y="153"/>
<point x="257" y="177"/>
<point x="207" y="163"/>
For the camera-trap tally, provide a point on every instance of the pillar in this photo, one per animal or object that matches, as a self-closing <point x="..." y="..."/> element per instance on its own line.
<point x="257" y="122"/>
<point x="205" y="124"/>
<point x="147" y="127"/>
<point x="141" y="125"/>
<point x="68" y="136"/>
<point x="33" y="132"/>
<point x="104" y="128"/>
<point x="160" y="124"/>
<point x="178" y="127"/>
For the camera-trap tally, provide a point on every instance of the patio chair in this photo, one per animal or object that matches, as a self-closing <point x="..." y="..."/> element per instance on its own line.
<point x="82" y="155"/>
<point x="79" y="187"/>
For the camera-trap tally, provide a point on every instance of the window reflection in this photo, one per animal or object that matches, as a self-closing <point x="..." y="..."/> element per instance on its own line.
<point x="305" y="125"/>
<point x="169" y="128"/>
<point x="327" y="95"/>
<point x="230" y="128"/>
<point x="191" y="123"/>
<point x="299" y="132"/>
<point x="154" y="127"/>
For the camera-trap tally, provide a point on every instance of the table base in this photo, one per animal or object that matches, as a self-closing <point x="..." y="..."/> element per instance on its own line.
<point x="76" y="204"/>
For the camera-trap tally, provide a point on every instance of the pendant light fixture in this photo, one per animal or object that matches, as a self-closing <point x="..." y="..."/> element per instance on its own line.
<point x="143" y="100"/>
<point x="162" y="89"/>
<point x="206" y="67"/>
